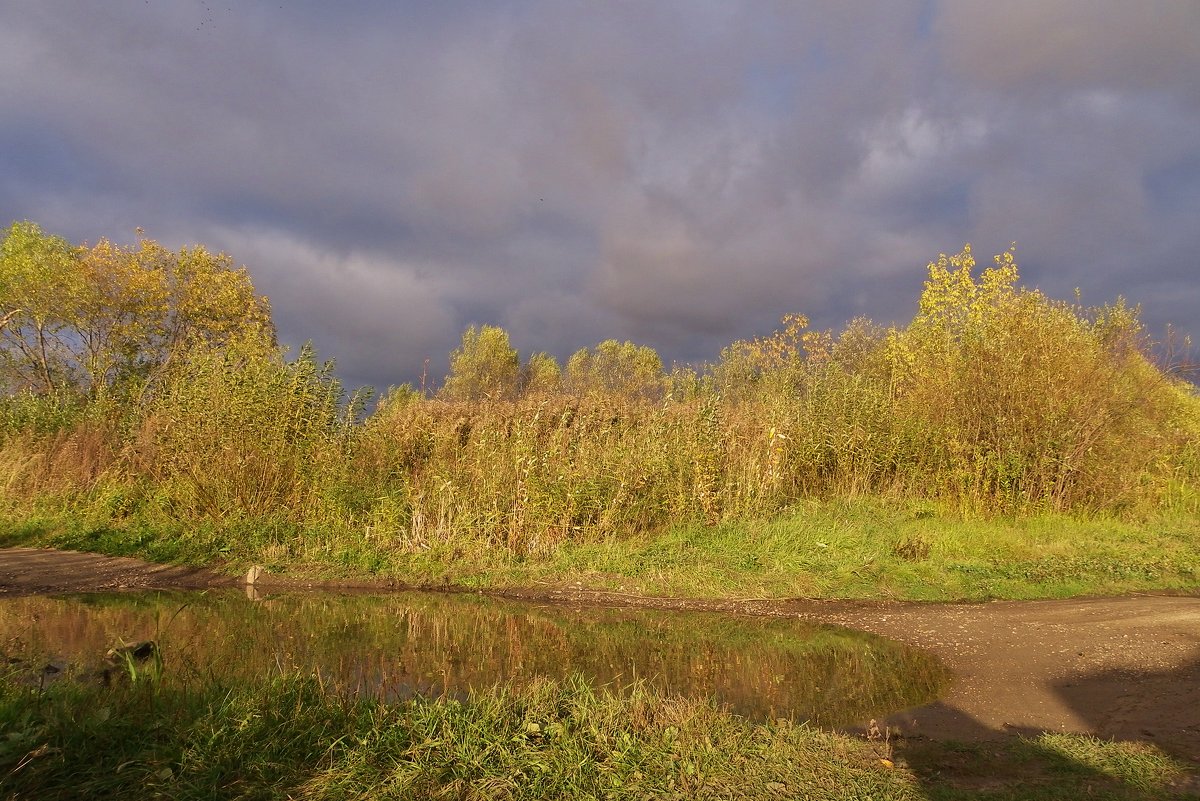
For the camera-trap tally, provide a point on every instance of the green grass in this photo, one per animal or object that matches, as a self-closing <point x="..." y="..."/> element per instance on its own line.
<point x="865" y="550"/>
<point x="285" y="737"/>
<point x="830" y="549"/>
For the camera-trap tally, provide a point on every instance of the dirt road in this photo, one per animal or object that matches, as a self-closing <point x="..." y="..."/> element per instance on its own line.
<point x="1123" y="668"/>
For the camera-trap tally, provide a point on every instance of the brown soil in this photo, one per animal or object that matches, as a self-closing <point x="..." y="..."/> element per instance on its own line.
<point x="1122" y="668"/>
<point x="36" y="571"/>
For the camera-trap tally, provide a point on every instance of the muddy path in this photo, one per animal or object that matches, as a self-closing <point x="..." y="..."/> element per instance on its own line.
<point x="1123" y="668"/>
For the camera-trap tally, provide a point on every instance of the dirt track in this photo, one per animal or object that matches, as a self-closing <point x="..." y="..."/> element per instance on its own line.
<point x="1124" y="668"/>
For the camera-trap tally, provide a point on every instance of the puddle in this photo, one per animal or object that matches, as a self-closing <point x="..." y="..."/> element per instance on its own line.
<point x="402" y="644"/>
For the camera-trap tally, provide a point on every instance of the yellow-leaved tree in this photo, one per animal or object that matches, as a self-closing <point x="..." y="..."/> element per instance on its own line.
<point x="1016" y="400"/>
<point x="39" y="294"/>
<point x="484" y="367"/>
<point x="103" y="318"/>
<point x="616" y="371"/>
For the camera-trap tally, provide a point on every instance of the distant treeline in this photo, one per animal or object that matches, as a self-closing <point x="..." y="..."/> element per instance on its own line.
<point x="145" y="384"/>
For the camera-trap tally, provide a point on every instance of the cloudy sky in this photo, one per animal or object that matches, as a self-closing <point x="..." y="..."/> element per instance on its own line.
<point x="675" y="173"/>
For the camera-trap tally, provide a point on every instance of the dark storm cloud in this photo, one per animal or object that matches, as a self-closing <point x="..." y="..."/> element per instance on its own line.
<point x="676" y="173"/>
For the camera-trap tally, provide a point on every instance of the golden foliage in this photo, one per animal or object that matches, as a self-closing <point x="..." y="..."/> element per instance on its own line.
<point x="107" y="317"/>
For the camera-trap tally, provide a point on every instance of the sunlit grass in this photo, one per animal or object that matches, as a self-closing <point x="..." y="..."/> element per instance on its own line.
<point x="864" y="550"/>
<point x="840" y="549"/>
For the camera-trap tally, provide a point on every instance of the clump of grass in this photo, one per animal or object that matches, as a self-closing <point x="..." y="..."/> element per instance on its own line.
<point x="1048" y="766"/>
<point x="912" y="548"/>
<point x="1140" y="766"/>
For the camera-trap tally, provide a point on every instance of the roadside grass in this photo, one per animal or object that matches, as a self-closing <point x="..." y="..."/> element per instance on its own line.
<point x="287" y="737"/>
<point x="852" y="549"/>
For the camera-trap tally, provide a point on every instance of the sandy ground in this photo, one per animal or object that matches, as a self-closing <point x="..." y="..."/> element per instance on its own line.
<point x="1123" y="668"/>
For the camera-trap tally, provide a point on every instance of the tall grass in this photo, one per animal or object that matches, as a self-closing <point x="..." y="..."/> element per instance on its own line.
<point x="995" y="400"/>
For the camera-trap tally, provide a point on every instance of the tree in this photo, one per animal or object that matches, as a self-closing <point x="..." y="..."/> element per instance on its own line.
<point x="204" y="301"/>
<point x="484" y="367"/>
<point x="541" y="375"/>
<point x="39" y="296"/>
<point x="1021" y="400"/>
<point x="747" y="363"/>
<point x="94" y="319"/>
<point x="616" y="371"/>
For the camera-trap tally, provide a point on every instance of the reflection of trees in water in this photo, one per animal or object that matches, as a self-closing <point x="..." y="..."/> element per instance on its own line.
<point x="400" y="644"/>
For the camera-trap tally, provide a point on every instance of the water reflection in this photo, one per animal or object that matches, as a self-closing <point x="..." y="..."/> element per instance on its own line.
<point x="400" y="644"/>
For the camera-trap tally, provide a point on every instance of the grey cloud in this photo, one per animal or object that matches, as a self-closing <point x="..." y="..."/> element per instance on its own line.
<point x="376" y="317"/>
<point x="1028" y="46"/>
<point x="675" y="173"/>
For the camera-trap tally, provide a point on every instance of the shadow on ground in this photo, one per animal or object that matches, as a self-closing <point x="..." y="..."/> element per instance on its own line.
<point x="1145" y="718"/>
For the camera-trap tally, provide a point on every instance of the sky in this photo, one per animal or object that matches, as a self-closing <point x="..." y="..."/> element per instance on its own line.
<point x="678" y="174"/>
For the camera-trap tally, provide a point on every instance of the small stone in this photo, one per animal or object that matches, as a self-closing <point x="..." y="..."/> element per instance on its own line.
<point x="138" y="652"/>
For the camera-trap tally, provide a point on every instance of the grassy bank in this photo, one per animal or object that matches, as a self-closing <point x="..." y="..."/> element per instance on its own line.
<point x="844" y="549"/>
<point x="285" y="737"/>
